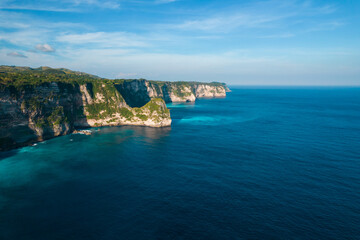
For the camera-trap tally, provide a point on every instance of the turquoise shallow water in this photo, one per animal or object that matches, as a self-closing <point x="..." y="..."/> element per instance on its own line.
<point x="263" y="163"/>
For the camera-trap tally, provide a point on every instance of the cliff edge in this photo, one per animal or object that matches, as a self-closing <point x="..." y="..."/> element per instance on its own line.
<point x="40" y="103"/>
<point x="136" y="92"/>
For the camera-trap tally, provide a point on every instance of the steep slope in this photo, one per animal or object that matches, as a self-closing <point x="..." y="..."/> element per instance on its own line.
<point x="41" y="103"/>
<point x="138" y="92"/>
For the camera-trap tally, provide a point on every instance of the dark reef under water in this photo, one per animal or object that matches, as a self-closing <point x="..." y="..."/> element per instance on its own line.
<point x="262" y="163"/>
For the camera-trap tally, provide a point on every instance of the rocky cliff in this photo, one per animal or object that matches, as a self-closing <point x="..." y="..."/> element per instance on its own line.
<point x="137" y="92"/>
<point x="38" y="104"/>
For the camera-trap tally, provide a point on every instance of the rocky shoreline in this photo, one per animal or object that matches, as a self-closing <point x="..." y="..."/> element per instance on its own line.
<point x="38" y="104"/>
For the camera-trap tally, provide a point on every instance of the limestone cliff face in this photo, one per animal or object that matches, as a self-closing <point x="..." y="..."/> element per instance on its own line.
<point x="227" y="89"/>
<point x="34" y="113"/>
<point x="31" y="114"/>
<point x="138" y="92"/>
<point x="209" y="91"/>
<point x="41" y="103"/>
<point x="178" y="92"/>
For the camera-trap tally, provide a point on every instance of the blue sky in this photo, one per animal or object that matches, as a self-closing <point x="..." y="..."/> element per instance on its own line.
<point x="269" y="42"/>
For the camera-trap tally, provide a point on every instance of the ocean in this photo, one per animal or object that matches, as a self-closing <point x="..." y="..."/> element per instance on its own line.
<point x="262" y="163"/>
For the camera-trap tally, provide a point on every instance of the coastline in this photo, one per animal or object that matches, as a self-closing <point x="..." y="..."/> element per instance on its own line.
<point x="35" y="107"/>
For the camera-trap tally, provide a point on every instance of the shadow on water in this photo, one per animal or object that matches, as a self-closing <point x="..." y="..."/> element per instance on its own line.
<point x="113" y="136"/>
<point x="180" y="105"/>
<point x="153" y="133"/>
<point x="146" y="132"/>
<point x="8" y="154"/>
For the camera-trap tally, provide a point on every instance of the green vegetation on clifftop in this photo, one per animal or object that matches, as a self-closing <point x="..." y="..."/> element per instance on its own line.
<point x="40" y="103"/>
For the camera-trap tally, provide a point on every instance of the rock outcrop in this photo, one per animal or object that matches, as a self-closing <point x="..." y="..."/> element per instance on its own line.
<point x="138" y="92"/>
<point x="38" y="104"/>
<point x="35" y="113"/>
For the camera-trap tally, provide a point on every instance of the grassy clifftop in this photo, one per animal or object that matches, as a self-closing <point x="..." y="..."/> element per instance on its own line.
<point x="18" y="76"/>
<point x="41" y="103"/>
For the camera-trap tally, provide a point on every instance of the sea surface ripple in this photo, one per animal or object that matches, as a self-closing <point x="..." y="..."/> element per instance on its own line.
<point x="262" y="163"/>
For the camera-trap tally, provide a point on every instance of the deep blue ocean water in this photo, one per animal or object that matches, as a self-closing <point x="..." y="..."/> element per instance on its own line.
<point x="262" y="163"/>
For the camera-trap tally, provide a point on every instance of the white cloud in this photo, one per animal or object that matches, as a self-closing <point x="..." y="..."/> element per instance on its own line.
<point x="27" y="31"/>
<point x="20" y="21"/>
<point x="12" y="20"/>
<point x="53" y="6"/>
<point x="24" y="38"/>
<point x="259" y="14"/>
<point x="228" y="23"/>
<point x="16" y="54"/>
<point x="38" y="6"/>
<point x="112" y="4"/>
<point x="104" y="39"/>
<point x="44" y="48"/>
<point x="281" y="35"/>
<point x="265" y="66"/>
<point x="147" y="53"/>
<point x="164" y="1"/>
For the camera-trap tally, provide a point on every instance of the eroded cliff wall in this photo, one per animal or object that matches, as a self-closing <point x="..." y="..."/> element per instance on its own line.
<point x="41" y="103"/>
<point x="33" y="113"/>
<point x="138" y="92"/>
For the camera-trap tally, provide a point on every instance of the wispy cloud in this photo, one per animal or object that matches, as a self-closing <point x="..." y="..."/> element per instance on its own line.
<point x="26" y="31"/>
<point x="44" y="48"/>
<point x="25" y="38"/>
<point x="259" y="14"/>
<point x="187" y="40"/>
<point x="104" y="39"/>
<point x="16" y="54"/>
<point x="241" y="65"/>
<point x="52" y="6"/>
<point x="20" y="21"/>
<point x="164" y="1"/>
<point x="36" y="6"/>
<point x="281" y="35"/>
<point x="227" y="23"/>
<point x="110" y="4"/>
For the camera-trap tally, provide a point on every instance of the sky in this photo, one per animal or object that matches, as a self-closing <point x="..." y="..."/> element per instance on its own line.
<point x="258" y="42"/>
